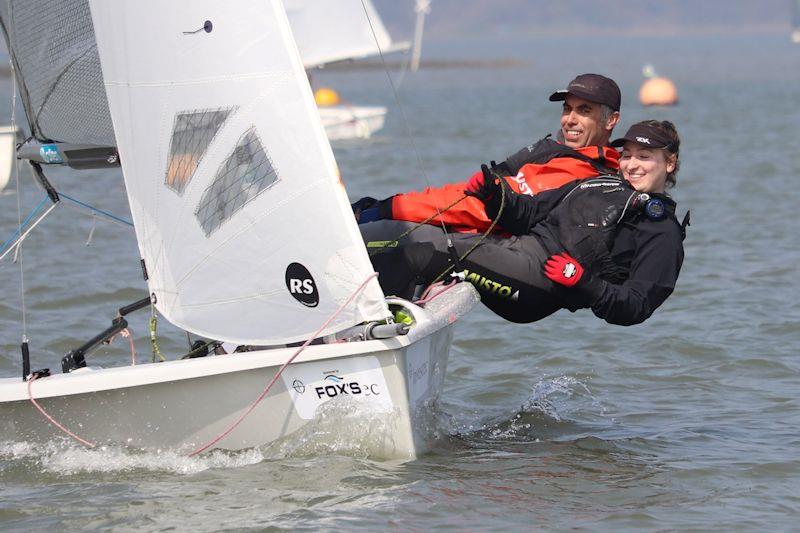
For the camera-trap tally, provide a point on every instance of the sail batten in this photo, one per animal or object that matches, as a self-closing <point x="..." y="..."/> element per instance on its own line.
<point x="240" y="214"/>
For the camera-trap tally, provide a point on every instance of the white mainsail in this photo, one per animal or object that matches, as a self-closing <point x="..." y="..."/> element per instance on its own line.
<point x="327" y="31"/>
<point x="242" y="221"/>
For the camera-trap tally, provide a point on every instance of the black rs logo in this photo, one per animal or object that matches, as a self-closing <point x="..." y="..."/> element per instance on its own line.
<point x="301" y="285"/>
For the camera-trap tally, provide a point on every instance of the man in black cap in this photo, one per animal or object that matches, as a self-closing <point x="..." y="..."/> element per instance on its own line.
<point x="590" y="112"/>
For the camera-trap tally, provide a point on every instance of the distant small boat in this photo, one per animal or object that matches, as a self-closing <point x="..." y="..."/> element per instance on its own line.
<point x="331" y="32"/>
<point x="343" y="122"/>
<point x="9" y="136"/>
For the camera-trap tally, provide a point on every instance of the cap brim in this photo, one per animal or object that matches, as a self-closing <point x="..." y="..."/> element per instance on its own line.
<point x="559" y="96"/>
<point x="618" y="143"/>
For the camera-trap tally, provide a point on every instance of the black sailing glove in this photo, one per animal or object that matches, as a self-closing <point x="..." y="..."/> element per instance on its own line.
<point x="483" y="186"/>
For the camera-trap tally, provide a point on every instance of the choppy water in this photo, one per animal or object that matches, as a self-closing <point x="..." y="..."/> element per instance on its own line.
<point x="688" y="421"/>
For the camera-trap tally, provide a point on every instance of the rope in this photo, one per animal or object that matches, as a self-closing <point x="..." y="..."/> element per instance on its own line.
<point x="402" y="112"/>
<point x="53" y="420"/>
<point x="416" y="227"/>
<point x="422" y="165"/>
<point x="22" y="223"/>
<point x="19" y="202"/>
<point x="127" y="334"/>
<point x="95" y="211"/>
<point x="22" y="237"/>
<point x="485" y="234"/>
<point x="153" y="340"/>
<point x="282" y="368"/>
<point x="439" y="213"/>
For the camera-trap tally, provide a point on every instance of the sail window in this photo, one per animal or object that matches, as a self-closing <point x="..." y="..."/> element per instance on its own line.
<point x="242" y="177"/>
<point x="192" y="133"/>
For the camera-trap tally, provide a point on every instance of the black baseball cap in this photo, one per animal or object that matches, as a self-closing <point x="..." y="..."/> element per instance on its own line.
<point x="592" y="87"/>
<point x="646" y="135"/>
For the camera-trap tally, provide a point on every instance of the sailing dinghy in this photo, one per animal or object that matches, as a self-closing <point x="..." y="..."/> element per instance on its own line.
<point x="244" y="228"/>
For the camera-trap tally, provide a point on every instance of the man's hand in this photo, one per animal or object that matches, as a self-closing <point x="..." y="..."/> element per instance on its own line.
<point x="483" y="186"/>
<point x="563" y="269"/>
<point x="362" y="205"/>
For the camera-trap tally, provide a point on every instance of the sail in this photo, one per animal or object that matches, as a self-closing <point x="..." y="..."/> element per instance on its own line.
<point x="243" y="224"/>
<point x="53" y="50"/>
<point x="327" y="31"/>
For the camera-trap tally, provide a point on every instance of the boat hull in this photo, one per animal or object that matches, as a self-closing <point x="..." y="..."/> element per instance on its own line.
<point x="351" y="122"/>
<point x="372" y="396"/>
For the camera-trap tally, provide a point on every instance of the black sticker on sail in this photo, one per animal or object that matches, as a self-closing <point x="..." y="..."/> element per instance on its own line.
<point x="301" y="285"/>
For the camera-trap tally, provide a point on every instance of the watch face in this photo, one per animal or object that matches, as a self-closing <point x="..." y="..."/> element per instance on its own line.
<point x="655" y="209"/>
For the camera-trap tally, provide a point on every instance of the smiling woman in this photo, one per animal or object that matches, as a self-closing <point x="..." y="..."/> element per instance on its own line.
<point x="650" y="152"/>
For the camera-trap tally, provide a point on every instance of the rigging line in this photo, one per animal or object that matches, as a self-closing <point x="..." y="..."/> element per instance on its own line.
<point x="53" y="420"/>
<point x="503" y="186"/>
<point x="282" y="368"/>
<point x="21" y="223"/>
<point x="96" y="211"/>
<point x="403" y="115"/>
<point x="411" y="230"/>
<point x="19" y="195"/>
<point x="27" y="232"/>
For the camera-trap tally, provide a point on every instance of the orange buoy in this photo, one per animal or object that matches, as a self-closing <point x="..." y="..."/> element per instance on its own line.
<point x="658" y="91"/>
<point x="326" y="97"/>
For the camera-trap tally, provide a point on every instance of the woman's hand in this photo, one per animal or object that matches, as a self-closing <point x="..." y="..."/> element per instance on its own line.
<point x="563" y="269"/>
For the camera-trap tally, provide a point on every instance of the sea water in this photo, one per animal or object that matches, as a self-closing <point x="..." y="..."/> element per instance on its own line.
<point x="687" y="421"/>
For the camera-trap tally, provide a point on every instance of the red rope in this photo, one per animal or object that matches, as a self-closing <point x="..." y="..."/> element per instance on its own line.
<point x="280" y="371"/>
<point x="125" y="333"/>
<point x="429" y="293"/>
<point x="53" y="420"/>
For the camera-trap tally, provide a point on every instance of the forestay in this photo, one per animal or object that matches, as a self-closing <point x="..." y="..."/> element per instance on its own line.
<point x="245" y="229"/>
<point x="327" y="31"/>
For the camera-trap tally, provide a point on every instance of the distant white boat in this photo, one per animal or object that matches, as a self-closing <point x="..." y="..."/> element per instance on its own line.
<point x="329" y="32"/>
<point x="245" y="234"/>
<point x="351" y="122"/>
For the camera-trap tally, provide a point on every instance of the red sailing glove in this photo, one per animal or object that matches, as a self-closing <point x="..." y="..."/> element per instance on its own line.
<point x="482" y="185"/>
<point x="563" y="269"/>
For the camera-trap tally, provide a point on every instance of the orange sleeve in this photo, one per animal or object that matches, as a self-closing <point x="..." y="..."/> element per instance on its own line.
<point x="467" y="214"/>
<point x="463" y="214"/>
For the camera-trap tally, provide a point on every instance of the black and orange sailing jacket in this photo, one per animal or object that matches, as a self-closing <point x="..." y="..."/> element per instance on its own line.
<point x="542" y="166"/>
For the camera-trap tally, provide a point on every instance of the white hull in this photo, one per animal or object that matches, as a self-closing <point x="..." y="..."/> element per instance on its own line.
<point x="184" y="404"/>
<point x="351" y="122"/>
<point x="8" y="139"/>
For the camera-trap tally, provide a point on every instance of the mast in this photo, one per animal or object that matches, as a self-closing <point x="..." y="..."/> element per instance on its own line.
<point x="795" y="21"/>
<point x="422" y="8"/>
